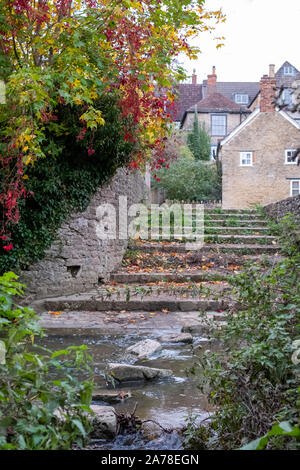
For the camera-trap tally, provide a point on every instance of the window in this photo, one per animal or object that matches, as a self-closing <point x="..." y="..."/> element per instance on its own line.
<point x="288" y="70"/>
<point x="218" y="124"/>
<point x="241" y="98"/>
<point x="295" y="187"/>
<point x="246" y="159"/>
<point x="213" y="152"/>
<point x="289" y="157"/>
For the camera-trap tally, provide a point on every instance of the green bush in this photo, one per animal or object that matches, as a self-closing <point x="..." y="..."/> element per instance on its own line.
<point x="64" y="181"/>
<point x="190" y="180"/>
<point x="44" y="402"/>
<point x="254" y="382"/>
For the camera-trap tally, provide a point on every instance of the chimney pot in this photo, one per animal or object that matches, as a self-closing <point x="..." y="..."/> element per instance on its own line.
<point x="194" y="78"/>
<point x="272" y="70"/>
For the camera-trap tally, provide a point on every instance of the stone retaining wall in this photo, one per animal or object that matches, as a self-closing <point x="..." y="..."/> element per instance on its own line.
<point x="279" y="209"/>
<point x="78" y="260"/>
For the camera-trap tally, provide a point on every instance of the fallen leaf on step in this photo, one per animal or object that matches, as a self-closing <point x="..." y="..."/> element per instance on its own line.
<point x="55" y="313"/>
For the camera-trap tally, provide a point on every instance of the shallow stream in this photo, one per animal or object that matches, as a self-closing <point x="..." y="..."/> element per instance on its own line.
<point x="167" y="401"/>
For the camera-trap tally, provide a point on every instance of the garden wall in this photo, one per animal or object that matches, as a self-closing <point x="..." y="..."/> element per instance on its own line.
<point x="279" y="209"/>
<point x="78" y="260"/>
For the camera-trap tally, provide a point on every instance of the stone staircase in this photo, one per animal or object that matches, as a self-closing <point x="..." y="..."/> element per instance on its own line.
<point x="163" y="285"/>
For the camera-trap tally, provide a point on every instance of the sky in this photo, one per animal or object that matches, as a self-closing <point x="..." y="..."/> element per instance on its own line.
<point x="257" y="32"/>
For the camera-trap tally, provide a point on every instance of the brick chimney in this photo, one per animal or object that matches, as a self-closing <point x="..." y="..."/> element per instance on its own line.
<point x="194" y="78"/>
<point x="212" y="82"/>
<point x="268" y="91"/>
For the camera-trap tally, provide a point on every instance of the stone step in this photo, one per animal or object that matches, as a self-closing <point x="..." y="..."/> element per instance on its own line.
<point x="244" y="229"/>
<point x="235" y="211"/>
<point x="218" y="238"/>
<point x="193" y="276"/>
<point x="93" y="323"/>
<point x="91" y="302"/>
<point x="233" y="215"/>
<point x="242" y="223"/>
<point x="222" y="247"/>
<point x="208" y="229"/>
<point x="235" y="238"/>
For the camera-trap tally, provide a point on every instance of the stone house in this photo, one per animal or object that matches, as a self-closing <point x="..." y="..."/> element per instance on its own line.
<point x="221" y="106"/>
<point x="257" y="163"/>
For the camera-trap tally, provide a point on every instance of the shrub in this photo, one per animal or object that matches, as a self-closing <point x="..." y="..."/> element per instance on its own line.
<point x="44" y="405"/>
<point x="189" y="179"/>
<point x="255" y="381"/>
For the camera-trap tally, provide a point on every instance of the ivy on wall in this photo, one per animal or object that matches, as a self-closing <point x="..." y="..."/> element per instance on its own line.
<point x="65" y="181"/>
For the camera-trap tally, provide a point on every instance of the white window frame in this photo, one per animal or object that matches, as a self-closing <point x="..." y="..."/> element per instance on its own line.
<point x="288" y="70"/>
<point x="291" y="187"/>
<point x="294" y="162"/>
<point x="241" y="98"/>
<point x="224" y="126"/>
<point x="244" y="156"/>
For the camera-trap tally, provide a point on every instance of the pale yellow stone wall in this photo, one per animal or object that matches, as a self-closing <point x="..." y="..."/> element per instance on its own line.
<point x="233" y="120"/>
<point x="268" y="135"/>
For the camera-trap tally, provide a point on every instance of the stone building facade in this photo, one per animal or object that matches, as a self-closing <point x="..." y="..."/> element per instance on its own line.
<point x="78" y="259"/>
<point x="222" y="108"/>
<point x="256" y="157"/>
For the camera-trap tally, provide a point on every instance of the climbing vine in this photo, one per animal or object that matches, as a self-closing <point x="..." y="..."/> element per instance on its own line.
<point x="56" y="53"/>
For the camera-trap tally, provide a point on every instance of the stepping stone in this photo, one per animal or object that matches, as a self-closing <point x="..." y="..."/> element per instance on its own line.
<point x="144" y="349"/>
<point x="127" y="372"/>
<point x="176" y="338"/>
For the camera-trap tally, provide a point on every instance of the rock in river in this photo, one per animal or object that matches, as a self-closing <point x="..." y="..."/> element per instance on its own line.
<point x="176" y="338"/>
<point x="127" y="372"/>
<point x="104" y="422"/>
<point x="144" y="349"/>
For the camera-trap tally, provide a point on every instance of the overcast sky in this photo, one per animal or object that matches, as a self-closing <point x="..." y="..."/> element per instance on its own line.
<point x="258" y="33"/>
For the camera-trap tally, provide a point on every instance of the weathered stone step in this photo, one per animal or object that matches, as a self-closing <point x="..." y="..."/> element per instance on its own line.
<point x="193" y="276"/>
<point x="235" y="238"/>
<point x="234" y="215"/>
<point x="208" y="228"/>
<point x="86" y="302"/>
<point x="220" y="237"/>
<point x="162" y="322"/>
<point x="225" y="247"/>
<point x="211" y="229"/>
<point x="235" y="211"/>
<point x="242" y="223"/>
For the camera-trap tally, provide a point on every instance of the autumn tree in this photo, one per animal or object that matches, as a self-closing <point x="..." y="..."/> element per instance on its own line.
<point x="58" y="54"/>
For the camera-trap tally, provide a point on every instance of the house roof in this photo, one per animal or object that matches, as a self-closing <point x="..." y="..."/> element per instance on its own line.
<point x="188" y="95"/>
<point x="216" y="103"/>
<point x="229" y="89"/>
